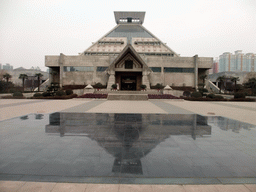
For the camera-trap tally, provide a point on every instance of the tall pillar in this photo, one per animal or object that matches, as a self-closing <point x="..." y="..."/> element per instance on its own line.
<point x="61" y="61"/>
<point x="111" y="79"/>
<point x="145" y="79"/>
<point x="196" y="71"/>
<point x="50" y="75"/>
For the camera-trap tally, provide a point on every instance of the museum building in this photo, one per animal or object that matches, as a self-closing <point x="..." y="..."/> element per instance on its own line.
<point x="129" y="55"/>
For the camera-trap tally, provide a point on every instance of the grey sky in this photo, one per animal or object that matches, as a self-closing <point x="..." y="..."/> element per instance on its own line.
<point x="31" y="29"/>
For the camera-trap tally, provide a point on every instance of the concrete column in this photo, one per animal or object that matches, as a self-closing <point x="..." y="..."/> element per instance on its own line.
<point x="145" y="79"/>
<point x="111" y="79"/>
<point x="163" y="76"/>
<point x="50" y="75"/>
<point x="61" y="68"/>
<point x="196" y="71"/>
<point x="94" y="75"/>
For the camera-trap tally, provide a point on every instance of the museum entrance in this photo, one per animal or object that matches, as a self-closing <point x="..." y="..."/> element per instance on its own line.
<point x="129" y="81"/>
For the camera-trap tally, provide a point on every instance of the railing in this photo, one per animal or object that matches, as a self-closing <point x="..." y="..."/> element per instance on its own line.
<point x="212" y="87"/>
<point x="43" y="86"/>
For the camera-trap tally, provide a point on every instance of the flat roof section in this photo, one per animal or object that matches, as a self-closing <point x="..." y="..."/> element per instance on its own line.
<point x="121" y="16"/>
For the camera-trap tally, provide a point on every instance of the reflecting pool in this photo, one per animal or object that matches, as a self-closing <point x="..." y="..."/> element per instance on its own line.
<point x="125" y="148"/>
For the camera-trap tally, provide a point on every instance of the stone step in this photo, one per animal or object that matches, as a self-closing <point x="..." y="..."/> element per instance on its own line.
<point x="127" y="97"/>
<point x="130" y="92"/>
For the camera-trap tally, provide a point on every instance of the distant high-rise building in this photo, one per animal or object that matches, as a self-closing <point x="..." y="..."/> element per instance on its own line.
<point x="215" y="66"/>
<point x="237" y="62"/>
<point x="7" y="67"/>
<point x="0" y="65"/>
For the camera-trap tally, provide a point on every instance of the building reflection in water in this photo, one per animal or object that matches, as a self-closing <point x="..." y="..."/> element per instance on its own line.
<point x="226" y="124"/>
<point x="128" y="137"/>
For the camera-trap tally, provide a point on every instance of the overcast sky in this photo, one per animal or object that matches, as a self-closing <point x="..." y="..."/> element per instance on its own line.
<point x="31" y="29"/>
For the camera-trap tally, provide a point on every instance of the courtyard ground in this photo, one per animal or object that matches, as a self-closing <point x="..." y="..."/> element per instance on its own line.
<point x="241" y="111"/>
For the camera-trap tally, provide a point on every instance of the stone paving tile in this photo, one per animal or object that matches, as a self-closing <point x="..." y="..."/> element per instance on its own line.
<point x="84" y="107"/>
<point x="48" y="106"/>
<point x="126" y="107"/>
<point x="168" y="188"/>
<point x="212" y="108"/>
<point x="169" y="108"/>
<point x="251" y="187"/>
<point x="236" y="106"/>
<point x="200" y="188"/>
<point x="37" y="187"/>
<point x="6" y="186"/>
<point x="137" y="188"/>
<point x="102" y="188"/>
<point x="21" y="103"/>
<point x="232" y="188"/>
<point x="69" y="187"/>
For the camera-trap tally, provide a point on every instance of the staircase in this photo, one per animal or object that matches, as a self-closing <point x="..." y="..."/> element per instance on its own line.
<point x="43" y="86"/>
<point x="130" y="95"/>
<point x="212" y="87"/>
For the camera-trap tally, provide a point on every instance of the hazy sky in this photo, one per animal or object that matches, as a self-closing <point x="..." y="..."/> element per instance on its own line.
<point x="31" y="29"/>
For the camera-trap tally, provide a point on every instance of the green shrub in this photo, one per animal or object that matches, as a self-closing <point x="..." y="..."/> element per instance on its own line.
<point x="211" y="95"/>
<point x="159" y="86"/>
<point x="114" y="86"/>
<point x="239" y="95"/>
<point x="186" y="94"/>
<point x="46" y="94"/>
<point x="60" y="93"/>
<point x="143" y="86"/>
<point x="196" y="94"/>
<point x="69" y="92"/>
<point x="203" y="90"/>
<point x="98" y="86"/>
<point x="37" y="95"/>
<point x="17" y="94"/>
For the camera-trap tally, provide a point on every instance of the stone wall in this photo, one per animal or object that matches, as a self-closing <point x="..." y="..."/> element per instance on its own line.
<point x="165" y="78"/>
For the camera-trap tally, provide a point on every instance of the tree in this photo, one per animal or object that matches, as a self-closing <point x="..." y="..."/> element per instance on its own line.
<point x="221" y="79"/>
<point x="38" y="75"/>
<point x="251" y="83"/>
<point x="235" y="79"/>
<point x="203" y="77"/>
<point x="23" y="77"/>
<point x="7" y="76"/>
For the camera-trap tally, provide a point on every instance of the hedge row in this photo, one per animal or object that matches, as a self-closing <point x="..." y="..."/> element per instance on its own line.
<point x="56" y="97"/>
<point x="164" y="96"/>
<point x="216" y="99"/>
<point x="94" y="96"/>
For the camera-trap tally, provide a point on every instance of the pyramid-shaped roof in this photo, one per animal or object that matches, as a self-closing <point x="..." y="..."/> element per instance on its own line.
<point x="129" y="30"/>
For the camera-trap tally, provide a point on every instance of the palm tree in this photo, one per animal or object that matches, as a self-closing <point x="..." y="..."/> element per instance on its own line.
<point x="235" y="79"/>
<point x="203" y="77"/>
<point x="221" y="79"/>
<point x="38" y="75"/>
<point x="23" y="77"/>
<point x="7" y="76"/>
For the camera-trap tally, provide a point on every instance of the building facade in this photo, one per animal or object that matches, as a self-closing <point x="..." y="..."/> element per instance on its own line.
<point x="7" y="67"/>
<point x="129" y="55"/>
<point x="237" y="62"/>
<point x="31" y="81"/>
<point x="215" y="66"/>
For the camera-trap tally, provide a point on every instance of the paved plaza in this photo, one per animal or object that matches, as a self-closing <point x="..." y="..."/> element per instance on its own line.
<point x="240" y="111"/>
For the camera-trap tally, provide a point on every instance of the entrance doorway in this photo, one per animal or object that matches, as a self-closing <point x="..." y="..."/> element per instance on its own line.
<point x="129" y="81"/>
